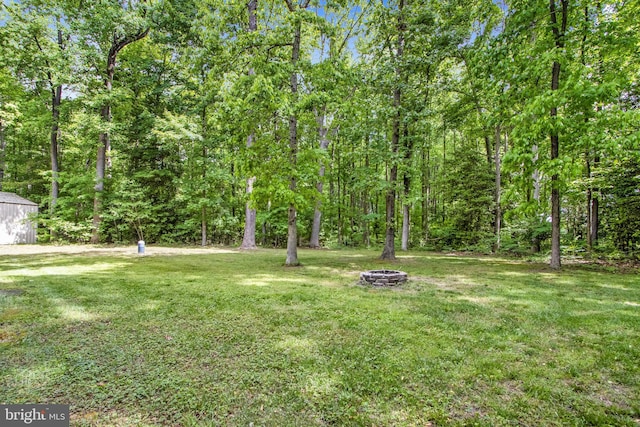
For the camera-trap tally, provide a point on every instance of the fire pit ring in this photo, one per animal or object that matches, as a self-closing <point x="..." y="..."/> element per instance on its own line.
<point x="383" y="277"/>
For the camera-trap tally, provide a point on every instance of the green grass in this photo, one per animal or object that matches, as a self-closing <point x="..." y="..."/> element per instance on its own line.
<point x="237" y="338"/>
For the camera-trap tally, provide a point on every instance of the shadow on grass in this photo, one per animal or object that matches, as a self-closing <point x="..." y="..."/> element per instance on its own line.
<point x="234" y="339"/>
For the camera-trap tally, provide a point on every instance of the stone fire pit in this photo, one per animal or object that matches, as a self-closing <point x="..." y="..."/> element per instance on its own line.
<point x="383" y="277"/>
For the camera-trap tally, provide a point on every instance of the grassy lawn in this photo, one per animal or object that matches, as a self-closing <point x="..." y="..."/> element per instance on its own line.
<point x="238" y="339"/>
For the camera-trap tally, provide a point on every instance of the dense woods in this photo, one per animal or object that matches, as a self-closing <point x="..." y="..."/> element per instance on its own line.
<point x="478" y="125"/>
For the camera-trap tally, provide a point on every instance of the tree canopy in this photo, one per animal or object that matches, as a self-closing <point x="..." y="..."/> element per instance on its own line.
<point x="485" y="126"/>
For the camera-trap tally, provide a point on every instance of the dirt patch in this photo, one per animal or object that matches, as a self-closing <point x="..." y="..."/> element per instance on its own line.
<point x="108" y="250"/>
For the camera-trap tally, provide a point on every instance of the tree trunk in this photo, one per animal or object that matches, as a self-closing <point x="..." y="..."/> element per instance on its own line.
<point x="99" y="187"/>
<point x="292" y="236"/>
<point x="203" y="227"/>
<point x="249" y="237"/>
<point x="104" y="146"/>
<point x="389" y="250"/>
<point x="594" y="221"/>
<point x="292" y="232"/>
<point x="558" y="35"/>
<point x="323" y="131"/>
<point x="314" y="241"/>
<point x="498" y="189"/>
<point x="366" y="240"/>
<point x="487" y="147"/>
<point x="366" y="203"/>
<point x="405" y="226"/>
<point x="535" y="176"/>
<point x="406" y="206"/>
<point x="205" y="155"/>
<point x="3" y="146"/>
<point x="56" y="99"/>
<point x="444" y="171"/>
<point x="555" y="181"/>
<point x="589" y="203"/>
<point x="555" y="222"/>
<point x="103" y="149"/>
<point x="426" y="190"/>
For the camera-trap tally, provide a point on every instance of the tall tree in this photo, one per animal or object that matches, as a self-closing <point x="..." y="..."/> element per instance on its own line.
<point x="292" y="234"/>
<point x="38" y="28"/>
<point x="106" y="29"/>
<point x="56" y="100"/>
<point x="332" y="86"/>
<point x="559" y="29"/>
<point x="388" y="252"/>
<point x="249" y="237"/>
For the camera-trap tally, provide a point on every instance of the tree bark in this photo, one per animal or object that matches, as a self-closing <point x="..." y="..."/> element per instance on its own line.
<point x="555" y="181"/>
<point x="426" y="190"/>
<point x="314" y="241"/>
<point x="56" y="99"/>
<point x="444" y="172"/>
<point x="292" y="232"/>
<point x="389" y="251"/>
<point x="594" y="214"/>
<point x="535" y="176"/>
<point x="104" y="146"/>
<point x="203" y="226"/>
<point x="249" y="237"/>
<point x="498" y="189"/>
<point x="323" y="132"/>
<point x="558" y="35"/>
<point x="406" y="206"/>
<point x="406" y="218"/>
<point x="205" y="155"/>
<point x="103" y="151"/>
<point x="487" y="147"/>
<point x="366" y="240"/>
<point x="3" y="146"/>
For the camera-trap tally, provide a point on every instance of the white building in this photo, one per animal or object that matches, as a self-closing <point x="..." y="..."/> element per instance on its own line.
<point x="15" y="226"/>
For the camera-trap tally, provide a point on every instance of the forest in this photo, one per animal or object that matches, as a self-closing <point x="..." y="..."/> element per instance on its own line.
<point x="505" y="126"/>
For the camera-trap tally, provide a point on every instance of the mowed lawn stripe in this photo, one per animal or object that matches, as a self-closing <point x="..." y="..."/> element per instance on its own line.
<point x="237" y="338"/>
